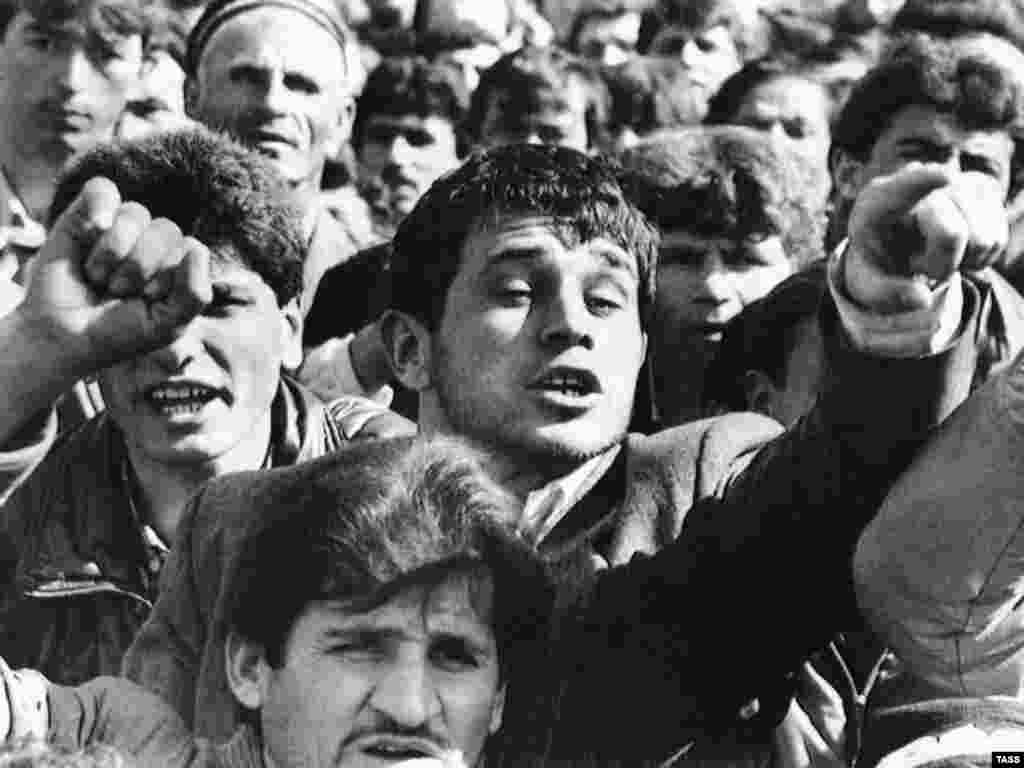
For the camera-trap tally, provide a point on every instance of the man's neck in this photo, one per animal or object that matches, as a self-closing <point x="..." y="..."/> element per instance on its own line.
<point x="32" y="182"/>
<point x="161" y="490"/>
<point x="305" y="196"/>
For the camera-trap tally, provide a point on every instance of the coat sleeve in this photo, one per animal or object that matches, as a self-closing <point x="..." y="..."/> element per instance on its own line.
<point x="940" y="570"/>
<point x="116" y="712"/>
<point x="760" y="577"/>
<point x="166" y="653"/>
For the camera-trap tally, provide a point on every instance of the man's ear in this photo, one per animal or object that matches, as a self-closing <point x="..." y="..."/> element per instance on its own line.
<point x="291" y="335"/>
<point x="191" y="97"/>
<point x="760" y="392"/>
<point x="341" y="132"/>
<point x="847" y="173"/>
<point x="407" y="343"/>
<point x="497" y="710"/>
<point x="247" y="671"/>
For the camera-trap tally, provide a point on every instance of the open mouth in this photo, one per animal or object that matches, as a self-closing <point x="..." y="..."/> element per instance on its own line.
<point x="271" y="137"/>
<point x="567" y="382"/>
<point x="394" y="749"/>
<point x="182" y="399"/>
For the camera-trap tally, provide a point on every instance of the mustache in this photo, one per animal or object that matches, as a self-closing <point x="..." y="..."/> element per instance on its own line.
<point x="391" y="729"/>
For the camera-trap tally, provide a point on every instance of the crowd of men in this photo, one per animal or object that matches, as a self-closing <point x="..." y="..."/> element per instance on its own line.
<point x="498" y="383"/>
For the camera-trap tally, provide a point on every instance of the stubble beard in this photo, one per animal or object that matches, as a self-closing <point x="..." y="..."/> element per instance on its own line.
<point x="500" y="433"/>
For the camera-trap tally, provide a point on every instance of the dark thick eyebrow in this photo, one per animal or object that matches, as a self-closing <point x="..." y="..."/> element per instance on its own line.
<point x="913" y="142"/>
<point x="618" y="261"/>
<point x="506" y="255"/>
<point x="609" y="257"/>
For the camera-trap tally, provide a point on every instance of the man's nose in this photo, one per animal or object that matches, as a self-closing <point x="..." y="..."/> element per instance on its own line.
<point x="567" y="321"/>
<point x="185" y="347"/>
<point x="691" y="53"/>
<point x="715" y="280"/>
<point x="273" y="96"/>
<point x="406" y="695"/>
<point x="399" y="150"/>
<point x="75" y="69"/>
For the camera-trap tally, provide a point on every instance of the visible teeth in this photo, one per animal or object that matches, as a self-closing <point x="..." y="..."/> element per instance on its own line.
<point x="166" y="394"/>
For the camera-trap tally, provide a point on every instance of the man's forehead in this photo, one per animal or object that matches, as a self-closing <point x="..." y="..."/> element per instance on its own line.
<point x="273" y="32"/>
<point x="528" y="236"/>
<point x="923" y="120"/>
<point x="460" y="603"/>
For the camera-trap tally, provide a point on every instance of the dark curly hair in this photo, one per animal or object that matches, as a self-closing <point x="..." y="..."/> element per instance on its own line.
<point x="921" y="70"/>
<point x="214" y="189"/>
<point x="533" y="77"/>
<point x="410" y="85"/>
<point x="380" y="517"/>
<point x="582" y="194"/>
<point x="729" y="181"/>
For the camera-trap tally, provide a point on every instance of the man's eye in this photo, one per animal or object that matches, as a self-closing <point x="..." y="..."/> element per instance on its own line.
<point x="705" y="45"/>
<point x="454" y="655"/>
<point x="795" y="129"/>
<point x="39" y="41"/>
<point x="603" y="304"/>
<point x="301" y="83"/>
<point x="418" y="138"/>
<point x="355" y="650"/>
<point x="514" y="293"/>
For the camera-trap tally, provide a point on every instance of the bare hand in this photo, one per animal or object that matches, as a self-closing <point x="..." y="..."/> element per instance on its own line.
<point x="111" y="283"/>
<point x="912" y="230"/>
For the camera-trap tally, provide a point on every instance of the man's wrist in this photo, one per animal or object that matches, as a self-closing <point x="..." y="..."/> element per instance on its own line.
<point x="27" y="338"/>
<point x="878" y="323"/>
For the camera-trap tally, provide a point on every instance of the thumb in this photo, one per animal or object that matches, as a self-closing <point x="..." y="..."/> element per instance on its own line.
<point x="80" y="225"/>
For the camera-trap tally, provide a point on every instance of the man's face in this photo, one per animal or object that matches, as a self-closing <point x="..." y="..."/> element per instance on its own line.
<point x="793" y="109"/>
<point x="559" y="119"/>
<point x="703" y="283"/>
<point x="158" y="104"/>
<point x="709" y="55"/>
<point x="65" y="84"/>
<point x="403" y="155"/>
<point x="610" y="41"/>
<point x="925" y="135"/>
<point x="207" y="394"/>
<point x="417" y="677"/>
<point x="540" y="345"/>
<point x="275" y="79"/>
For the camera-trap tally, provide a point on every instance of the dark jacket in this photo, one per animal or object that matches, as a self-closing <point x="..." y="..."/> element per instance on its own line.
<point x="702" y="608"/>
<point x="81" y="583"/>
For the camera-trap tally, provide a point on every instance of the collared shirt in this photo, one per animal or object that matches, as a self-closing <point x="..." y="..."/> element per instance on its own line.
<point x="20" y="234"/>
<point x="548" y="505"/>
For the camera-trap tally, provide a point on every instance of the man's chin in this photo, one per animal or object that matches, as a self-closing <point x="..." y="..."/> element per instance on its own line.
<point x="563" y="447"/>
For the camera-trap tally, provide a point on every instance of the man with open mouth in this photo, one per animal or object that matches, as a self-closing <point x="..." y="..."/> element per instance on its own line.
<point x="525" y="331"/>
<point x="92" y="524"/>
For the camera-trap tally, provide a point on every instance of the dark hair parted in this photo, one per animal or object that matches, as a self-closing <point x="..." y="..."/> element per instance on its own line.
<point x="534" y="79"/>
<point x="374" y="520"/>
<point x="582" y="195"/>
<point x="919" y="70"/>
<point x="109" y="20"/>
<point x="411" y="85"/>
<point x="215" y="190"/>
<point x="732" y="182"/>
